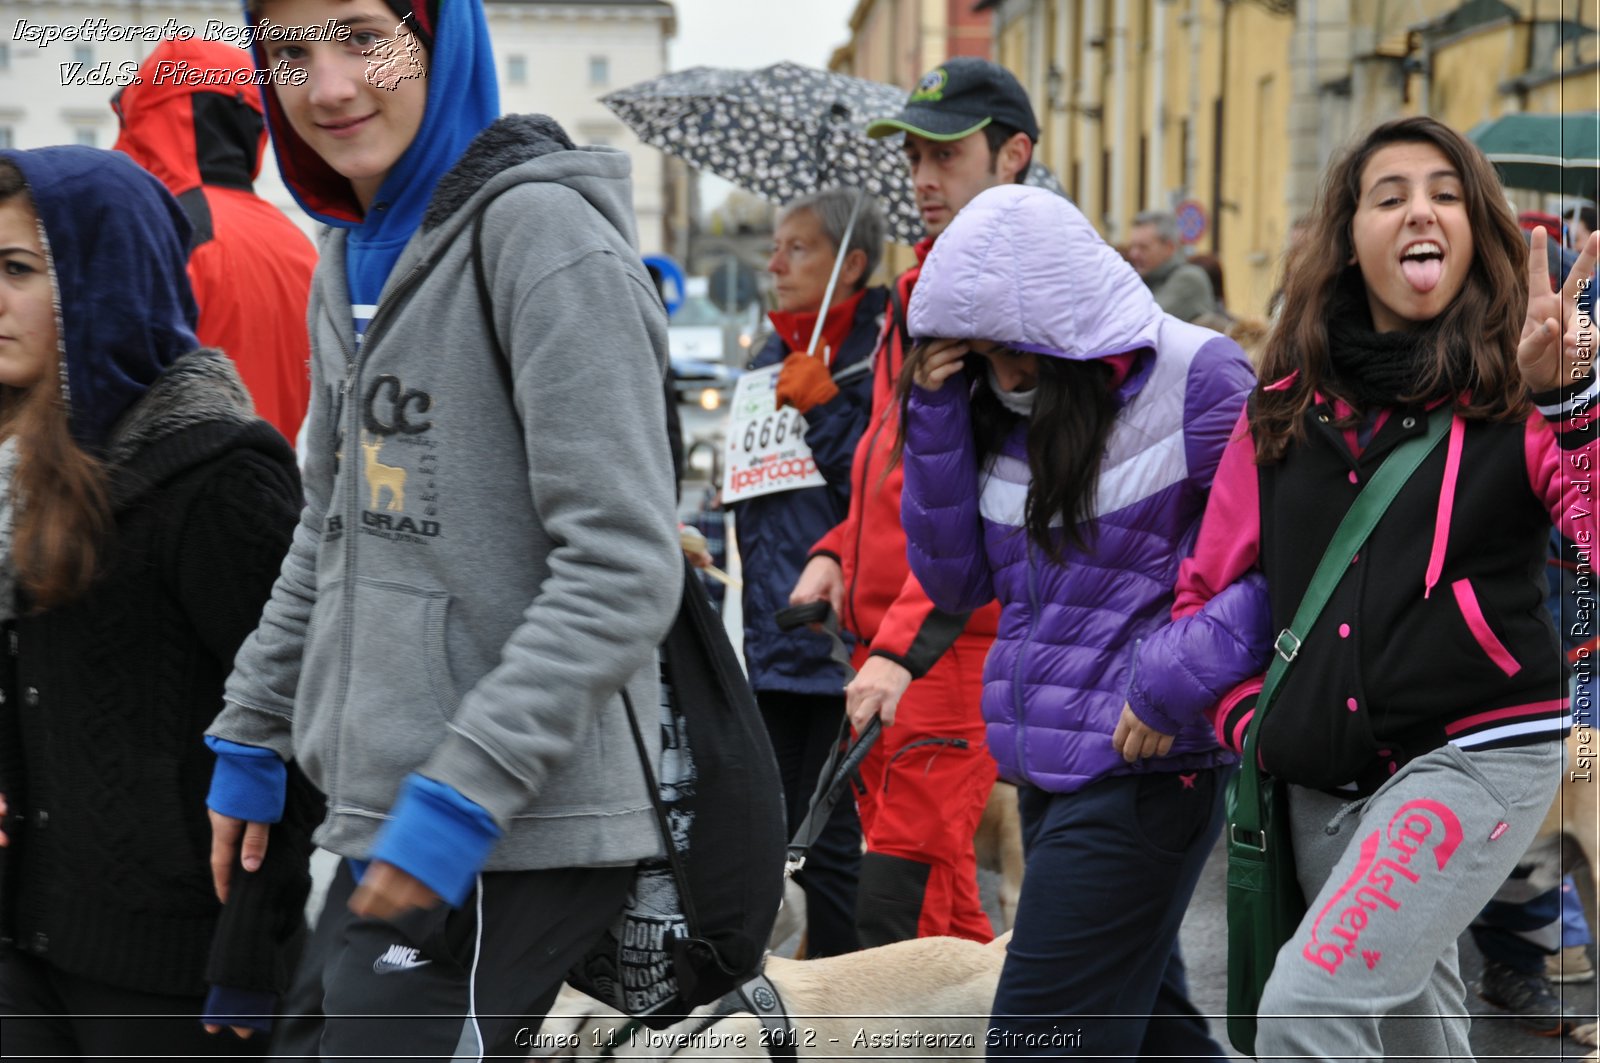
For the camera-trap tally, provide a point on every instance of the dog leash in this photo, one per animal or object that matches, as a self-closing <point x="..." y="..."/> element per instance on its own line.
<point x="761" y="999"/>
<point x="844" y="762"/>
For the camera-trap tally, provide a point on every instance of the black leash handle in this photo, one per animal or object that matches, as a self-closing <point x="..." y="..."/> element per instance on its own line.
<point x="844" y="762"/>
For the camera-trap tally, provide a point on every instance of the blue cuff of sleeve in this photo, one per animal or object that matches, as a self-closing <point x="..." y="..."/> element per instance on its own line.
<point x="252" y="1008"/>
<point x="438" y="837"/>
<point x="248" y="783"/>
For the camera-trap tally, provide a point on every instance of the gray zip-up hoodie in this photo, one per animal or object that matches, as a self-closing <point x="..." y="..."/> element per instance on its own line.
<point x="479" y="569"/>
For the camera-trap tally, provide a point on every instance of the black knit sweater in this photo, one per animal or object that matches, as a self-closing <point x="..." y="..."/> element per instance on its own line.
<point x="106" y="700"/>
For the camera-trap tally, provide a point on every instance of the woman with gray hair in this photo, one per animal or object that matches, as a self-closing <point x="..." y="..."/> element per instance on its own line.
<point x="829" y="381"/>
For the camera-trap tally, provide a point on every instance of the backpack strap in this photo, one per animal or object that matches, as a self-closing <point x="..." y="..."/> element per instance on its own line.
<point x="502" y="360"/>
<point x="1352" y="533"/>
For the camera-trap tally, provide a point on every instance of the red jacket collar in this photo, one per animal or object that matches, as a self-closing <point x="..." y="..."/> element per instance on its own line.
<point x="795" y="329"/>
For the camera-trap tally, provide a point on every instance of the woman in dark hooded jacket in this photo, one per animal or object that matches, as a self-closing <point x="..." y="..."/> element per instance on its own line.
<point x="144" y="515"/>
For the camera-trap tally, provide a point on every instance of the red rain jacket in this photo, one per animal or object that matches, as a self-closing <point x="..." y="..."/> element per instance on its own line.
<point x="250" y="267"/>
<point x="883" y="602"/>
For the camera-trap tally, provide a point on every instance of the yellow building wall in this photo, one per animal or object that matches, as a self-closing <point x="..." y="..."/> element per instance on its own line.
<point x="1254" y="218"/>
<point x="1011" y="50"/>
<point x="1099" y="134"/>
<point x="1574" y="92"/>
<point x="1462" y="94"/>
<point x="1465" y="87"/>
<point x="1240" y="52"/>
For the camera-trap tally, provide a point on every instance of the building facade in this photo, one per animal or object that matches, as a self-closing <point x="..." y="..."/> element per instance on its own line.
<point x="559" y="58"/>
<point x="1231" y="109"/>
<point x="897" y="41"/>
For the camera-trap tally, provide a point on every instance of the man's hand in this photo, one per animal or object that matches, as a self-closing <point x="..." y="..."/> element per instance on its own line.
<point x="386" y="891"/>
<point x="1135" y="740"/>
<point x="875" y="691"/>
<point x="226" y="833"/>
<point x="1557" y="346"/>
<point x="822" y="580"/>
<point x="942" y="360"/>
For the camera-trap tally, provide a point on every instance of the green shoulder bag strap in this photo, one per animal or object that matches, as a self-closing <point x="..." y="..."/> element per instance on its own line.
<point x="1352" y="533"/>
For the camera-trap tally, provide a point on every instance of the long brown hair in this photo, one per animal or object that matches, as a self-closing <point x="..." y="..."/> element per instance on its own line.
<point x="1485" y="317"/>
<point x="63" y="515"/>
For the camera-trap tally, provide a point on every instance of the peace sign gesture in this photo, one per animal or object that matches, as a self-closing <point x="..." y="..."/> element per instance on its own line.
<point x="1557" y="345"/>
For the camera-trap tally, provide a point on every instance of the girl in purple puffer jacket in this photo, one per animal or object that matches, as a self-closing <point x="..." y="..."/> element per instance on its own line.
<point x="1060" y="435"/>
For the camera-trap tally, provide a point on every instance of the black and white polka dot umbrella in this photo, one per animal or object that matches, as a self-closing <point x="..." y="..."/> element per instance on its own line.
<point x="782" y="132"/>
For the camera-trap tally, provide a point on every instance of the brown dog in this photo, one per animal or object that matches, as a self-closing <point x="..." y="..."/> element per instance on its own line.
<point x="928" y="998"/>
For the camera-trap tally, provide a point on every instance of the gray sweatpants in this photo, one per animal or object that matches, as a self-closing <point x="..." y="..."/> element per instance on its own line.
<point x="1372" y="972"/>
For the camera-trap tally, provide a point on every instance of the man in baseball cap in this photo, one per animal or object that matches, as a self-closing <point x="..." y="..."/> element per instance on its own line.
<point x="968" y="126"/>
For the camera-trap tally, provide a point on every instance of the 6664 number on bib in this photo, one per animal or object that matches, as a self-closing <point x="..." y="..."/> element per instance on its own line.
<point x="767" y="449"/>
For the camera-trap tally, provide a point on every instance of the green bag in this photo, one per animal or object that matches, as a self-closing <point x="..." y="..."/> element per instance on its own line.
<point x="1265" y="903"/>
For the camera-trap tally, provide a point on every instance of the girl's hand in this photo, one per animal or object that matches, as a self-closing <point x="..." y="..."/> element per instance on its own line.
<point x="1557" y="345"/>
<point x="1136" y="741"/>
<point x="941" y="361"/>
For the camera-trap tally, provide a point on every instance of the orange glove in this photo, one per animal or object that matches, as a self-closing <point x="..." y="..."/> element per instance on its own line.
<point x="804" y="383"/>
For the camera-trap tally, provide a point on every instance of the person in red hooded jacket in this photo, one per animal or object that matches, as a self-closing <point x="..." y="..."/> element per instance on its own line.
<point x="249" y="266"/>
<point x="968" y="126"/>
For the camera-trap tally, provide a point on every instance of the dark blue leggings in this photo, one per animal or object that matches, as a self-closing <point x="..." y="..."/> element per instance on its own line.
<point x="1093" y="969"/>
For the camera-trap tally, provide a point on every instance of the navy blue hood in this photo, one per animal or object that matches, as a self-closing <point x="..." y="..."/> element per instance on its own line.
<point x="118" y="247"/>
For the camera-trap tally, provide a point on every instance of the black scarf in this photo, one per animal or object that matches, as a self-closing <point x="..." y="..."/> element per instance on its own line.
<point x="1375" y="370"/>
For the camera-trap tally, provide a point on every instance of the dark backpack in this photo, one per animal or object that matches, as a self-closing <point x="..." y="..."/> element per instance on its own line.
<point x="698" y="919"/>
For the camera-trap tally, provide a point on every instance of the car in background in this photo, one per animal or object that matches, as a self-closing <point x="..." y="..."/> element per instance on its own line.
<point x="697" y="331"/>
<point x="709" y="349"/>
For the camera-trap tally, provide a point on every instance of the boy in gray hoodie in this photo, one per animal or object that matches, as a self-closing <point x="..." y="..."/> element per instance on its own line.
<point x="486" y="556"/>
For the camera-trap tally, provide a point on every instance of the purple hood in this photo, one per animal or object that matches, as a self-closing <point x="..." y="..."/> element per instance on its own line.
<point x="1022" y="266"/>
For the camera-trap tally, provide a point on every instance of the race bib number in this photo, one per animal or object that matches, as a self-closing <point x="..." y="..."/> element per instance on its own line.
<point x="767" y="449"/>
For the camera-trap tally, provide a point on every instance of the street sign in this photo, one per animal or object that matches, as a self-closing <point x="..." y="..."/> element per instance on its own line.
<point x="1191" y="220"/>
